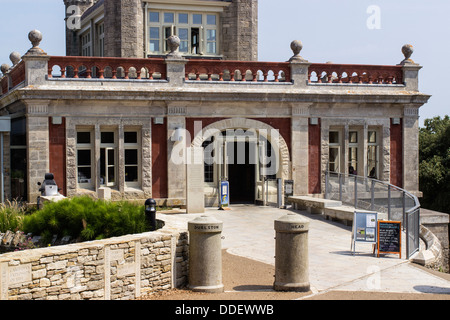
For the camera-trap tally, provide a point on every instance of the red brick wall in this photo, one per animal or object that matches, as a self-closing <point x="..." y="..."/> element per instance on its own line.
<point x="159" y="161"/>
<point x="57" y="153"/>
<point x="396" y="175"/>
<point x="314" y="176"/>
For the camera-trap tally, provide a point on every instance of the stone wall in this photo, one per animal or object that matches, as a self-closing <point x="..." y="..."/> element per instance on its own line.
<point x="240" y="30"/>
<point x="124" y="24"/>
<point x="437" y="223"/>
<point x="120" y="268"/>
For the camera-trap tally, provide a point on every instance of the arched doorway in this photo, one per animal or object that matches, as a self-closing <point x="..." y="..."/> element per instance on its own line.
<point x="245" y="152"/>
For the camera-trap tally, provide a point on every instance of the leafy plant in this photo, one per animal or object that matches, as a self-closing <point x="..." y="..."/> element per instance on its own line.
<point x="11" y="216"/>
<point x="434" y="167"/>
<point x="85" y="219"/>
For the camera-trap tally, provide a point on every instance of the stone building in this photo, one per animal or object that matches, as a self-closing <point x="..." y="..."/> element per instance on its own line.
<point x="214" y="29"/>
<point x="122" y="115"/>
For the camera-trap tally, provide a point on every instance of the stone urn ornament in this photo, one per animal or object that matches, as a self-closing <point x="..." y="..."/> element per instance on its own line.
<point x="173" y="42"/>
<point x="407" y="51"/>
<point x="15" y="57"/>
<point x="4" y="68"/>
<point x="35" y="37"/>
<point x="296" y="47"/>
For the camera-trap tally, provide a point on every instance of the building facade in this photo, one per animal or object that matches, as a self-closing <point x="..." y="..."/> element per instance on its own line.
<point x="127" y="120"/>
<point x="213" y="29"/>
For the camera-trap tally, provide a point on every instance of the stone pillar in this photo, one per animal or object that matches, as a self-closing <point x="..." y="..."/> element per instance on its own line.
<point x="195" y="190"/>
<point x="205" y="255"/>
<point x="411" y="149"/>
<point x="37" y="146"/>
<point x="410" y="69"/>
<point x="239" y="24"/>
<point x="291" y="254"/>
<point x="176" y="152"/>
<point x="74" y="11"/>
<point x="300" y="155"/>
<point x="124" y="29"/>
<point x="299" y="66"/>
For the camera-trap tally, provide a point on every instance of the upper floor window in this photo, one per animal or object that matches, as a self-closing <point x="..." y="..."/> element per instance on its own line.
<point x="86" y="44"/>
<point x="198" y="32"/>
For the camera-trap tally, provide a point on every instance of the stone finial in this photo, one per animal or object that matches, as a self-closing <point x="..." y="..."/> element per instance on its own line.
<point x="4" y="68"/>
<point x="15" y="57"/>
<point x="407" y="51"/>
<point x="296" y="47"/>
<point x="174" y="44"/>
<point x="35" y="37"/>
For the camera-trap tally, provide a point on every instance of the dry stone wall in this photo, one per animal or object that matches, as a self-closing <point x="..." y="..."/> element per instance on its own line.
<point x="118" y="268"/>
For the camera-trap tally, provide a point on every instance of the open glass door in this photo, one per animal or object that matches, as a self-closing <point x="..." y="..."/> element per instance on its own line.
<point x="260" y="190"/>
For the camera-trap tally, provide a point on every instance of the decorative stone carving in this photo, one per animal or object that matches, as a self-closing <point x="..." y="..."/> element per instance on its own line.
<point x="407" y="51"/>
<point x="174" y="44"/>
<point x="35" y="37"/>
<point x="5" y="68"/>
<point x="296" y="47"/>
<point x="15" y="57"/>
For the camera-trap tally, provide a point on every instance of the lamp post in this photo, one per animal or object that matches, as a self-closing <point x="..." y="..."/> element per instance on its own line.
<point x="150" y="213"/>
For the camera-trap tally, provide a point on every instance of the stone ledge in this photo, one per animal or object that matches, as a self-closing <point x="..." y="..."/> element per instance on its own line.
<point x="432" y="256"/>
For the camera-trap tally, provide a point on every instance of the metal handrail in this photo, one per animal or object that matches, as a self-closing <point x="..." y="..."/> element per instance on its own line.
<point x="410" y="215"/>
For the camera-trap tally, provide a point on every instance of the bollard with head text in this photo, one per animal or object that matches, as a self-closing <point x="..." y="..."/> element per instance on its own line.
<point x="291" y="254"/>
<point x="205" y="255"/>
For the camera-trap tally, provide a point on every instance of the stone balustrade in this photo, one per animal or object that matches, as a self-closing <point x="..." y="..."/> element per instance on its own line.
<point x="352" y="73"/>
<point x="223" y="70"/>
<point x="104" y="67"/>
<point x="37" y="67"/>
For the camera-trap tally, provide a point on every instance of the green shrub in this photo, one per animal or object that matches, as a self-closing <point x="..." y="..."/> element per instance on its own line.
<point x="86" y="219"/>
<point x="11" y="216"/>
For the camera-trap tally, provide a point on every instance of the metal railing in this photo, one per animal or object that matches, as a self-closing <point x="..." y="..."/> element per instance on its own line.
<point x="370" y="194"/>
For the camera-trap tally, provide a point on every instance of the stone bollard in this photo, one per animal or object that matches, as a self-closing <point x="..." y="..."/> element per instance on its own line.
<point x="291" y="254"/>
<point x="205" y="255"/>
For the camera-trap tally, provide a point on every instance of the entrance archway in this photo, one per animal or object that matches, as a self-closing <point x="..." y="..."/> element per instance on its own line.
<point x="246" y="169"/>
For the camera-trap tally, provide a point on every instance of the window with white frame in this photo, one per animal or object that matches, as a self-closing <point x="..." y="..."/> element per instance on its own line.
<point x="108" y="158"/>
<point x="198" y="32"/>
<point x="372" y="154"/>
<point x="84" y="158"/>
<point x="132" y="158"/>
<point x="334" y="151"/>
<point x="101" y="39"/>
<point x="86" y="44"/>
<point x="353" y="152"/>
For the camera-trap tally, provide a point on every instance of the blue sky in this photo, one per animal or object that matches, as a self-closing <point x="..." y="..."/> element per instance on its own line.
<point x="330" y="30"/>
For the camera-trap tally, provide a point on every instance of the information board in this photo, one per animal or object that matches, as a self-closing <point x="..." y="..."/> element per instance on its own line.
<point x="224" y="194"/>
<point x="389" y="237"/>
<point x="364" y="227"/>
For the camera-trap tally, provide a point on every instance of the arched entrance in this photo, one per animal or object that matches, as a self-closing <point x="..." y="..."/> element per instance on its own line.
<point x="245" y="152"/>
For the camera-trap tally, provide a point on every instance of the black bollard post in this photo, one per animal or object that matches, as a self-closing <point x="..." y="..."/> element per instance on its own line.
<point x="150" y="213"/>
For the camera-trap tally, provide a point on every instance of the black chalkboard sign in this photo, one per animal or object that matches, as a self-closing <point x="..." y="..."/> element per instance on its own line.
<point x="389" y="237"/>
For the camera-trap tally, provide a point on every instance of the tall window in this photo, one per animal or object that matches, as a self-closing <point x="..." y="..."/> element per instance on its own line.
<point x="108" y="158"/>
<point x="132" y="158"/>
<point x="334" y="151"/>
<point x="353" y="152"/>
<point x="198" y="32"/>
<point x="372" y="154"/>
<point x="86" y="44"/>
<point x="84" y="158"/>
<point x="101" y="39"/>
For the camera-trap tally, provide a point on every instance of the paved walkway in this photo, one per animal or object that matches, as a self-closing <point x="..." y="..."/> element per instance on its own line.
<point x="248" y="231"/>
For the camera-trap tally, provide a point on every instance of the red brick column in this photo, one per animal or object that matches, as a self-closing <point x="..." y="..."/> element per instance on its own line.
<point x="57" y="153"/>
